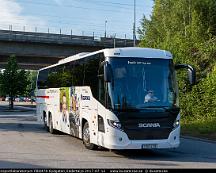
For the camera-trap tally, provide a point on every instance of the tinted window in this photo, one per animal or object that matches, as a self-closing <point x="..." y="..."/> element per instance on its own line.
<point x="78" y="73"/>
<point x="54" y="79"/>
<point x="82" y="72"/>
<point x="42" y="79"/>
<point x="142" y="82"/>
<point x="101" y="85"/>
<point x="91" y="75"/>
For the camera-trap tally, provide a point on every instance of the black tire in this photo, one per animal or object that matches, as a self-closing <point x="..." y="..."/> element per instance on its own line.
<point x="51" y="130"/>
<point x="45" y="122"/>
<point x="86" y="137"/>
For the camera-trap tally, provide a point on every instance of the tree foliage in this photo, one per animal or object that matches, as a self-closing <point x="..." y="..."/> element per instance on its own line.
<point x="187" y="28"/>
<point x="13" y="80"/>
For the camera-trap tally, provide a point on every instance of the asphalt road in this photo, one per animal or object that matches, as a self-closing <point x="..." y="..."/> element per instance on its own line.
<point x="25" y="144"/>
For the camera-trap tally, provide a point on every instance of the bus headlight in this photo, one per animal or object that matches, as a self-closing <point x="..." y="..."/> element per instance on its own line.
<point x="114" y="124"/>
<point x="176" y="124"/>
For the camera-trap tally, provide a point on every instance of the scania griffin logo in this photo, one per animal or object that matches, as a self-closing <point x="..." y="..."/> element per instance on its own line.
<point x="146" y="125"/>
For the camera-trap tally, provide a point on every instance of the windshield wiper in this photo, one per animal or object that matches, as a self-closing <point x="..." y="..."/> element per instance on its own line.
<point x="166" y="108"/>
<point x="143" y="106"/>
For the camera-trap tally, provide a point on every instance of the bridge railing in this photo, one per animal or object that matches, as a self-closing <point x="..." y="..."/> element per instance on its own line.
<point x="8" y="35"/>
<point x="42" y="37"/>
<point x="116" y="42"/>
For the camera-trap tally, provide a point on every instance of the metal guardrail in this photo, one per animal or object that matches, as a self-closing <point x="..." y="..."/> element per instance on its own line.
<point x="43" y="37"/>
<point x="117" y="41"/>
<point x="7" y="35"/>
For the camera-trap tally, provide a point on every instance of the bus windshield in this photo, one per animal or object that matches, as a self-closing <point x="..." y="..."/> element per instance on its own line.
<point x="139" y="83"/>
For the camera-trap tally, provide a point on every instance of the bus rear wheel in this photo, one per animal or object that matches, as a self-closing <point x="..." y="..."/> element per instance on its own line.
<point x="86" y="137"/>
<point x="51" y="130"/>
<point x="45" y="122"/>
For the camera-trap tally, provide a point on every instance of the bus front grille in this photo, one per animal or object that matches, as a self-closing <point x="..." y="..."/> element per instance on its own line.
<point x="148" y="134"/>
<point x="147" y="125"/>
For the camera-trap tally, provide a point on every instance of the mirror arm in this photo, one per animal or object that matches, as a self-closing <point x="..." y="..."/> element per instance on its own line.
<point x="180" y="66"/>
<point x="102" y="64"/>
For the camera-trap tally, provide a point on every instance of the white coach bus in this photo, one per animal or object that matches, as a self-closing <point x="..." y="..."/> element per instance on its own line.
<point x="121" y="98"/>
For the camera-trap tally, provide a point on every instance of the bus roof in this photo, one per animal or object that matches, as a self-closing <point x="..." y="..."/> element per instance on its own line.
<point x="138" y="52"/>
<point x="120" y="52"/>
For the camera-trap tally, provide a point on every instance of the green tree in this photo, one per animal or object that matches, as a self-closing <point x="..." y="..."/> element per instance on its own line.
<point x="13" y="80"/>
<point x="187" y="28"/>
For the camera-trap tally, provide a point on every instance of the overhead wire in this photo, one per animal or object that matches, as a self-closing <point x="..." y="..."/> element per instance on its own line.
<point x="69" y="6"/>
<point x="99" y="3"/>
<point x="61" y="20"/>
<point x="71" y="24"/>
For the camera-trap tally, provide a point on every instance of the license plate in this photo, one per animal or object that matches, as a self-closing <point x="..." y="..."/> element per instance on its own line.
<point x="149" y="146"/>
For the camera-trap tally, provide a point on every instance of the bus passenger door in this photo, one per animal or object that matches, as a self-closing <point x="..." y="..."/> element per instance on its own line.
<point x="101" y="107"/>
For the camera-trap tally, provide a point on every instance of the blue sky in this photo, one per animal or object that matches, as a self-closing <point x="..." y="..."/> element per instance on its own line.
<point x="82" y="16"/>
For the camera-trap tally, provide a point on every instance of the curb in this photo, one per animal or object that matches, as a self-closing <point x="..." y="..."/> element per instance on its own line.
<point x="199" y="139"/>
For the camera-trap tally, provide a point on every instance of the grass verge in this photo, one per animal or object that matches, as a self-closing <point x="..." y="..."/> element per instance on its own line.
<point x="204" y="127"/>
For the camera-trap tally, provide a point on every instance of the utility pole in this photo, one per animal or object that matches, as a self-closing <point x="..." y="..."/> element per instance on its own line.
<point x="134" y="25"/>
<point x="105" y="28"/>
<point x="114" y="41"/>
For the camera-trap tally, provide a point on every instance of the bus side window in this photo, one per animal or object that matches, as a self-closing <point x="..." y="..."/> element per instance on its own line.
<point x="66" y="77"/>
<point x="90" y="75"/>
<point x="101" y="90"/>
<point x="42" y="79"/>
<point x="52" y="78"/>
<point x="77" y="74"/>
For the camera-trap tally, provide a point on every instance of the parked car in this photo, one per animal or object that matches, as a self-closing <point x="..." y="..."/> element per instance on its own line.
<point x="7" y="99"/>
<point x="17" y="99"/>
<point x="3" y="98"/>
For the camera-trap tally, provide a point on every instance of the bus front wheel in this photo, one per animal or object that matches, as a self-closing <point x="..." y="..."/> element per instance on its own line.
<point x="86" y="137"/>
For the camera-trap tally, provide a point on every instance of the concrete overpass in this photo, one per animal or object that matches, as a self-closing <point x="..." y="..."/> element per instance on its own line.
<point x="36" y="50"/>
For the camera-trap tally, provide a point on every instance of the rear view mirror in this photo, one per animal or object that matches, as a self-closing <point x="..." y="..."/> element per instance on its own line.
<point x="107" y="72"/>
<point x="191" y="72"/>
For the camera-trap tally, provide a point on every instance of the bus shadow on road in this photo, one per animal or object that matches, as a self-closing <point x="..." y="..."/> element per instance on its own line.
<point x="17" y="165"/>
<point x="22" y="127"/>
<point x="136" y="153"/>
<point x="176" y="155"/>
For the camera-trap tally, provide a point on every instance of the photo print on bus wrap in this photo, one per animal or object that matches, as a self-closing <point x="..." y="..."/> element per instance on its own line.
<point x="64" y="103"/>
<point x="74" y="113"/>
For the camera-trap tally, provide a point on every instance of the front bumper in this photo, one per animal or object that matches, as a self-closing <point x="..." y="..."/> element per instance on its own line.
<point x="117" y="139"/>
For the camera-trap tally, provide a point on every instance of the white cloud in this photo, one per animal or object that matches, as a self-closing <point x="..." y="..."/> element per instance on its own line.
<point x="10" y="14"/>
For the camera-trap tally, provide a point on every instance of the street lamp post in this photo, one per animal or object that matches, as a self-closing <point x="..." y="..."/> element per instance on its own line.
<point x="105" y="28"/>
<point x="134" y="25"/>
